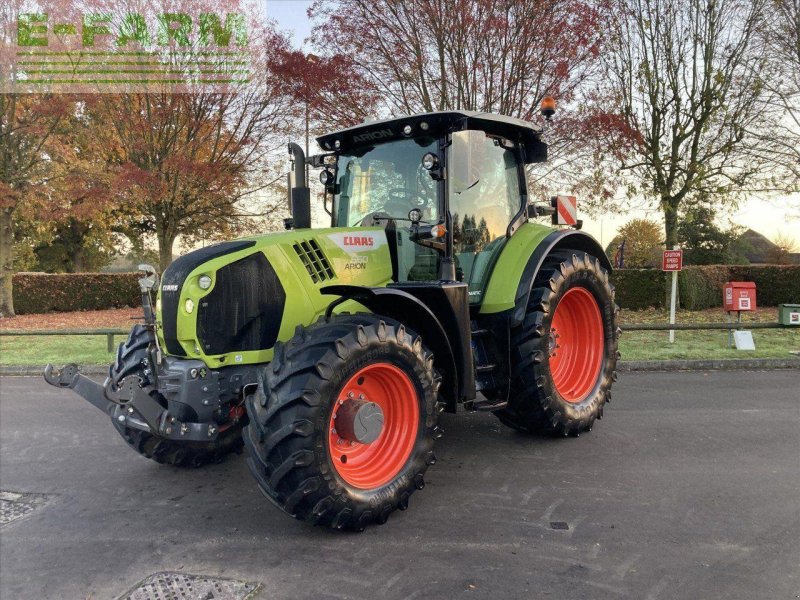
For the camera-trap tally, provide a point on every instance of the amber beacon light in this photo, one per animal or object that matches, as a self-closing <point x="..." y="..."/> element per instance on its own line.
<point x="548" y="107"/>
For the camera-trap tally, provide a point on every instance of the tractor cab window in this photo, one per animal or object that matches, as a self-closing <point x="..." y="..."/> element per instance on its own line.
<point x="484" y="198"/>
<point x="379" y="185"/>
<point x="385" y="181"/>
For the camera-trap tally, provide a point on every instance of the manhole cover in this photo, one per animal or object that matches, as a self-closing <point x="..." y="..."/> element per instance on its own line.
<point x="180" y="586"/>
<point x="15" y="505"/>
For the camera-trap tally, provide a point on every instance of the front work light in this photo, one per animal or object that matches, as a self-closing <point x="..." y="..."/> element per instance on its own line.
<point x="430" y="161"/>
<point x="325" y="177"/>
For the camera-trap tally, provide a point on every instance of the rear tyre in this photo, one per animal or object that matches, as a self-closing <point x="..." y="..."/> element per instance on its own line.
<point x="343" y="424"/>
<point x="133" y="360"/>
<point x="564" y="354"/>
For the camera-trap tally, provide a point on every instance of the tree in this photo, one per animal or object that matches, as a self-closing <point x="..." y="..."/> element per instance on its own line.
<point x="500" y="56"/>
<point x="28" y="123"/>
<point x="315" y="84"/>
<point x="183" y="162"/>
<point x="685" y="78"/>
<point x="487" y="55"/>
<point x="706" y="243"/>
<point x="781" y="40"/>
<point x="785" y="246"/>
<point x="75" y="247"/>
<point x="643" y="243"/>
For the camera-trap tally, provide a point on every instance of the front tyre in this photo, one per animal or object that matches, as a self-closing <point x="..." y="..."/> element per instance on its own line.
<point x="565" y="352"/>
<point x="133" y="360"/>
<point x="343" y="424"/>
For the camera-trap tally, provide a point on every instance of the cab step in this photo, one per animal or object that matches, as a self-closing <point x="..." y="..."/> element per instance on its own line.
<point x="488" y="405"/>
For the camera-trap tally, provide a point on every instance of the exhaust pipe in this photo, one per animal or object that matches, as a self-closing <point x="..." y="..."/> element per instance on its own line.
<point x="299" y="193"/>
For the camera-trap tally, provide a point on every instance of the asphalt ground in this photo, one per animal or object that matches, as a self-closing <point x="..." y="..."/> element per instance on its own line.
<point x="689" y="488"/>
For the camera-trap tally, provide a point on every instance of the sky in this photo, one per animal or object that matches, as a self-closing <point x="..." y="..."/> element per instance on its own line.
<point x="772" y="216"/>
<point x="291" y="17"/>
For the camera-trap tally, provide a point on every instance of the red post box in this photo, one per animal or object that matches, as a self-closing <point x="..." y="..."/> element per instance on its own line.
<point x="739" y="296"/>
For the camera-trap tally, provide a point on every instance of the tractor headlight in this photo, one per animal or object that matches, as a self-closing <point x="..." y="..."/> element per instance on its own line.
<point x="430" y="161"/>
<point x="325" y="177"/>
<point x="407" y="130"/>
<point x="337" y="144"/>
<point x="204" y="282"/>
<point x="424" y="126"/>
<point x="158" y="304"/>
<point x="188" y="306"/>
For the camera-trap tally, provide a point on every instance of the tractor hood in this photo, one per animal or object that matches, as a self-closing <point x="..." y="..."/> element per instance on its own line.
<point x="230" y="303"/>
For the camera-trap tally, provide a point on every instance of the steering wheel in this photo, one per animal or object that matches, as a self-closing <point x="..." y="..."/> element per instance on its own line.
<point x="405" y="200"/>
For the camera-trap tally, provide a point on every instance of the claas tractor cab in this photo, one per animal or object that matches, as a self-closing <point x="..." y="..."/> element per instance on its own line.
<point x="328" y="354"/>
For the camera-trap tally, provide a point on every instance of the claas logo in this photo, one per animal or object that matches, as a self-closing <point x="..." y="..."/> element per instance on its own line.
<point x="356" y="240"/>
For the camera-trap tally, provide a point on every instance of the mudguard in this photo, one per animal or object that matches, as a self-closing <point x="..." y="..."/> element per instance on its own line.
<point x="557" y="240"/>
<point x="512" y="277"/>
<point x="439" y="312"/>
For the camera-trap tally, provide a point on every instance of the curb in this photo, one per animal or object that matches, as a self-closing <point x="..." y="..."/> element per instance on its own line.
<point x="724" y="364"/>
<point x="727" y="364"/>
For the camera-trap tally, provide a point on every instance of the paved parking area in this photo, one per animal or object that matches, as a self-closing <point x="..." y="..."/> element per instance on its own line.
<point x="689" y="488"/>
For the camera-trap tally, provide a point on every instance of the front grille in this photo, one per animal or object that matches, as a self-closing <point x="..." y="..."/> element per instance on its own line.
<point x="314" y="260"/>
<point x="172" y="282"/>
<point x="244" y="310"/>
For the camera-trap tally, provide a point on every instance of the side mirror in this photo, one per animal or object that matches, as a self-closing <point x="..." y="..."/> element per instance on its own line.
<point x="464" y="163"/>
<point x="149" y="279"/>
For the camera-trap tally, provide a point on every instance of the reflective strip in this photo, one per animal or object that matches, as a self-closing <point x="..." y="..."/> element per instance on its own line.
<point x="567" y="207"/>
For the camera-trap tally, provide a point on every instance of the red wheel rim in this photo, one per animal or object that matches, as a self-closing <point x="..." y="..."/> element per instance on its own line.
<point x="368" y="466"/>
<point x="576" y="345"/>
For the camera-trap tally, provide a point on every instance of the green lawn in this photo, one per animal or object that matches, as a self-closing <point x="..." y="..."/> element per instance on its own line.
<point x="634" y="345"/>
<point x="61" y="349"/>
<point x="712" y="344"/>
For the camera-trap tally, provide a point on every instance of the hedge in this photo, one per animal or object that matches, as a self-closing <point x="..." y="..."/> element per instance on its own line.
<point x="701" y="286"/>
<point x="45" y="292"/>
<point x="774" y="284"/>
<point x="639" y="288"/>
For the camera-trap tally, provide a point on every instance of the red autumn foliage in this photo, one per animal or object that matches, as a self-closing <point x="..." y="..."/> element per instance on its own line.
<point x="487" y="55"/>
<point x="332" y="88"/>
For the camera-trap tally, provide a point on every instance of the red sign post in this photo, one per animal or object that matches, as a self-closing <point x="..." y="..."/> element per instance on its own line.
<point x="672" y="261"/>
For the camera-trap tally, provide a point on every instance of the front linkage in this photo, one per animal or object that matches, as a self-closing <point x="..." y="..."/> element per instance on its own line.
<point x="131" y="404"/>
<point x="169" y="409"/>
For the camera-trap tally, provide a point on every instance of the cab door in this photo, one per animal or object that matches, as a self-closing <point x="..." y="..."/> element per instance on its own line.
<point x="485" y="195"/>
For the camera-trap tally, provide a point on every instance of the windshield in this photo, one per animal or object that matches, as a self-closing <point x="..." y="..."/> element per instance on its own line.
<point x="385" y="180"/>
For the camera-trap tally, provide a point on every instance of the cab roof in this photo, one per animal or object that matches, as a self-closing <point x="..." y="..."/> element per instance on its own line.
<point x="438" y="123"/>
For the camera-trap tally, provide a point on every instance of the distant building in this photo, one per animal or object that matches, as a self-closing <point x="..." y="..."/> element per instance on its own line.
<point x="759" y="250"/>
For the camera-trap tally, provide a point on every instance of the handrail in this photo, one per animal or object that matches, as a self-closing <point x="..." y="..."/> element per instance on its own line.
<point x="700" y="326"/>
<point x="64" y="331"/>
<point x="109" y="333"/>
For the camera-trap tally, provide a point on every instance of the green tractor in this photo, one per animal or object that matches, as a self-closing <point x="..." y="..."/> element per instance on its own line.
<point x="329" y="353"/>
